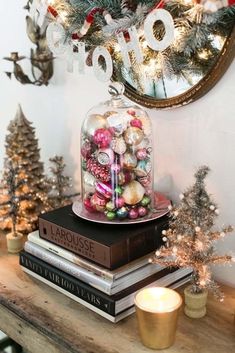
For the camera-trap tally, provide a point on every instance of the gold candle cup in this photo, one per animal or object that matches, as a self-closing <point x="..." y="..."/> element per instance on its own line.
<point x="157" y="314"/>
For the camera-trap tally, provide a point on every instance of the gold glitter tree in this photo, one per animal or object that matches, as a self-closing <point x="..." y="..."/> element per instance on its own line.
<point x="189" y="240"/>
<point x="22" y="150"/>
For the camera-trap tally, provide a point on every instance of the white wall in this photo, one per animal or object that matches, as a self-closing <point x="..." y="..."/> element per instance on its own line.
<point x="200" y="133"/>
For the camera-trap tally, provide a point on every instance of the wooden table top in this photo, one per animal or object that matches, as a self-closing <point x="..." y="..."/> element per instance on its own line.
<point x="45" y="321"/>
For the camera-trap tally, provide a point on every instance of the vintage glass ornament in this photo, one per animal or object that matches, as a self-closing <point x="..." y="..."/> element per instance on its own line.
<point x="117" y="160"/>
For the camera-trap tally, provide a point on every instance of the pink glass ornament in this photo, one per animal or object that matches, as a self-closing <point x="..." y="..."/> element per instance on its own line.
<point x="142" y="211"/>
<point x="86" y="150"/>
<point x="141" y="154"/>
<point x="136" y="123"/>
<point x="133" y="213"/>
<point x="98" y="202"/>
<point x="88" y="206"/>
<point x="104" y="189"/>
<point x="131" y="112"/>
<point x="120" y="202"/>
<point x="102" y="138"/>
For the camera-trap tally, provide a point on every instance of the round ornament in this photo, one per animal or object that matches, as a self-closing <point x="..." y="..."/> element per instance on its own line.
<point x="88" y="206"/>
<point x="143" y="168"/>
<point x="146" y="200"/>
<point x="133" y="136"/>
<point x="119" y="202"/>
<point x="119" y="190"/>
<point x="98" y="202"/>
<point x="132" y="112"/>
<point x="118" y="122"/>
<point x="129" y="160"/>
<point x="125" y="177"/>
<point x="118" y="145"/>
<point x="136" y="123"/>
<point x="89" y="183"/>
<point x="122" y="213"/>
<point x="141" y="154"/>
<point x="133" y="213"/>
<point x="110" y="206"/>
<point x="86" y="149"/>
<point x="105" y="156"/>
<point x="145" y="181"/>
<point x="111" y="215"/>
<point x="102" y="138"/>
<point x="142" y="211"/>
<point x="133" y="193"/>
<point x="93" y="123"/>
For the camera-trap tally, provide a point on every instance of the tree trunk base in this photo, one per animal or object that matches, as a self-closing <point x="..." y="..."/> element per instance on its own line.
<point x="14" y="242"/>
<point x="195" y="303"/>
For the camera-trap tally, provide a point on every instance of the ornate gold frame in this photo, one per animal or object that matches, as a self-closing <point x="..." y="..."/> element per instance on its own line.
<point x="197" y="91"/>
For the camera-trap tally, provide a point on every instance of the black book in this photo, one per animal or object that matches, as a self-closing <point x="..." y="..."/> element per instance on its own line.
<point x="105" y="244"/>
<point x="92" y="298"/>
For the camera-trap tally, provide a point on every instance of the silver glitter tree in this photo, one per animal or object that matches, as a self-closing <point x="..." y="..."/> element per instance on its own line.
<point x="189" y="240"/>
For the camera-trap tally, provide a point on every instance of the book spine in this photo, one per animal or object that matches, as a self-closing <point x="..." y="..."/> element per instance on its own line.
<point x="68" y="283"/>
<point x="68" y="255"/>
<point x="111" y="257"/>
<point x="75" y="242"/>
<point x="68" y="267"/>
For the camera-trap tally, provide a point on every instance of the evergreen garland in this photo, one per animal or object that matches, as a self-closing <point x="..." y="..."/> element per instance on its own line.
<point x="197" y="30"/>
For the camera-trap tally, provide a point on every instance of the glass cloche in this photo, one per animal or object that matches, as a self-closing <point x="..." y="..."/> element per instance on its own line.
<point x="117" y="161"/>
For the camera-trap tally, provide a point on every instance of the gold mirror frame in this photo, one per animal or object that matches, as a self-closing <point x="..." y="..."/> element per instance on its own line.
<point x="198" y="90"/>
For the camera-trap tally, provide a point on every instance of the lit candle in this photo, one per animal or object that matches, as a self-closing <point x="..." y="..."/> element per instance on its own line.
<point x="157" y="312"/>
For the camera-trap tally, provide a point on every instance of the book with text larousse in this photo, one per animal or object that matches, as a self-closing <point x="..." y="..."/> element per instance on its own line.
<point x="107" y="306"/>
<point x="103" y="244"/>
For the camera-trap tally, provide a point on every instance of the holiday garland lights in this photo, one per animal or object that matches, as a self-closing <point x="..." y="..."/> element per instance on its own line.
<point x="200" y="30"/>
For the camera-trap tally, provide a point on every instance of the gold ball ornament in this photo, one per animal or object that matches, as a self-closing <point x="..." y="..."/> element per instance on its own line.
<point x="93" y="123"/>
<point x="129" y="160"/>
<point x="133" y="136"/>
<point x="133" y="193"/>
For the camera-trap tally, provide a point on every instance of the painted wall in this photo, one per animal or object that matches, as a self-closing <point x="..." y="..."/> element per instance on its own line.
<point x="200" y="133"/>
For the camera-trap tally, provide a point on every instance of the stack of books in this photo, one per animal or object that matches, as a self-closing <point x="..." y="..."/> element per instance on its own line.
<point x="101" y="266"/>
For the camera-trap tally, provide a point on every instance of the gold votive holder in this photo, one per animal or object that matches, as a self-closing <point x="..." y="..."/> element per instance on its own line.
<point x="157" y="314"/>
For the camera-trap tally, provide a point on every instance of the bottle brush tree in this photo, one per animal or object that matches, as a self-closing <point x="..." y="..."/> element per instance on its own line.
<point x="191" y="235"/>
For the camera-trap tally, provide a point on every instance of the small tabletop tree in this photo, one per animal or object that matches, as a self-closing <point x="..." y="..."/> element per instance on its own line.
<point x="58" y="184"/>
<point x="189" y="240"/>
<point x="10" y="202"/>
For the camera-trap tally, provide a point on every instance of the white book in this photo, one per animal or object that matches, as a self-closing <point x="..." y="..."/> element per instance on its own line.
<point x="124" y="306"/>
<point x="90" y="266"/>
<point x="104" y="285"/>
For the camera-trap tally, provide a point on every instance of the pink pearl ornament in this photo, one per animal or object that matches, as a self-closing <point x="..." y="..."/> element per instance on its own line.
<point x="88" y="206"/>
<point x="136" y="123"/>
<point x="120" y="202"/>
<point x="142" y="211"/>
<point x="102" y="138"/>
<point x="141" y="154"/>
<point x="133" y="213"/>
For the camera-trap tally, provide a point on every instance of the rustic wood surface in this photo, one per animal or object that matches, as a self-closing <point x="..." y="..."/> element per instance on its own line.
<point x="45" y="321"/>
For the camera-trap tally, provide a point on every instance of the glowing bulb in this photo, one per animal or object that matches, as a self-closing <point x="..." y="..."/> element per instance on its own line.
<point x="203" y="55"/>
<point x="144" y="44"/>
<point x="117" y="47"/>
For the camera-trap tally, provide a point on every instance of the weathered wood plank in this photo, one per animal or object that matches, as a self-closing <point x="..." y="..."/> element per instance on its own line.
<point x="43" y="320"/>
